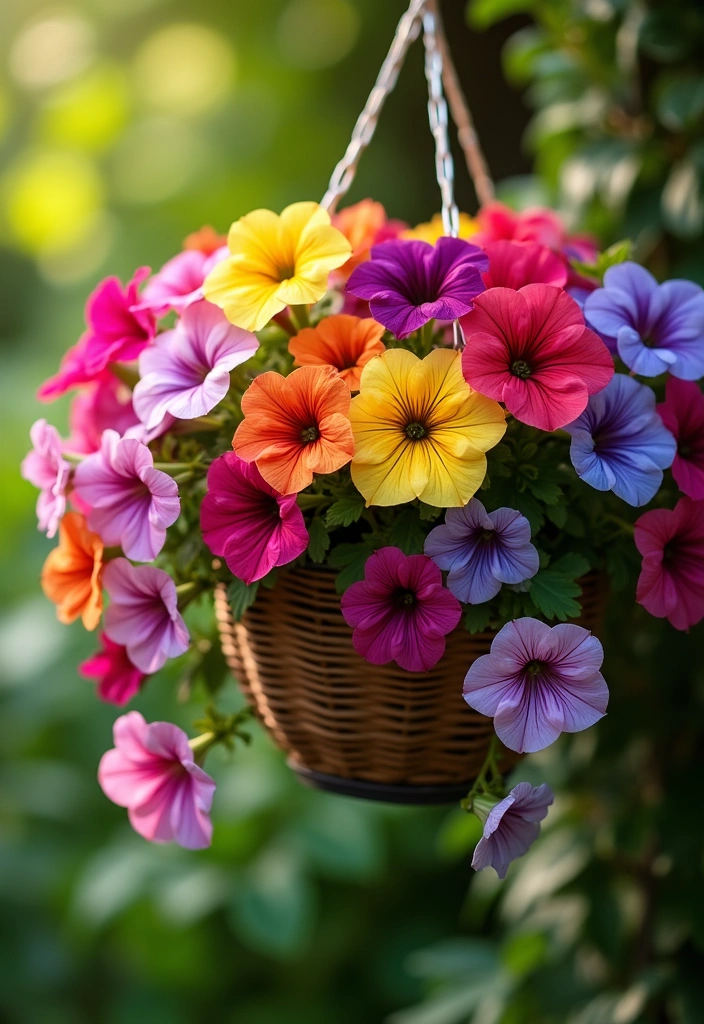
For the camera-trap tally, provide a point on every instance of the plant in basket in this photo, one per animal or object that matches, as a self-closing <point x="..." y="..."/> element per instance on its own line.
<point x="403" y="464"/>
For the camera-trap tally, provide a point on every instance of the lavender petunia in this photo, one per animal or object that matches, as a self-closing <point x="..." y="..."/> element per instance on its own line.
<point x="538" y="681"/>
<point x="482" y="550"/>
<point x="46" y="468"/>
<point x="655" y="328"/>
<point x="130" y="503"/>
<point x="511" y="826"/>
<point x="620" y="444"/>
<point x="180" y="281"/>
<point x="143" y="614"/>
<point x="186" y="372"/>
<point x="409" y="282"/>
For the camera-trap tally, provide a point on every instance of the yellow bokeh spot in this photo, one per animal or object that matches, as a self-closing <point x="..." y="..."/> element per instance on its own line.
<point x="184" y="69"/>
<point x="51" y="200"/>
<point x="90" y="113"/>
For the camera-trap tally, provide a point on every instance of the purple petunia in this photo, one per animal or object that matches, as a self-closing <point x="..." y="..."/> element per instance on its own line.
<point x="620" y="444"/>
<point x="47" y="469"/>
<point x="510" y="826"/>
<point x="143" y="614"/>
<point x="482" y="550"/>
<point x="538" y="681"/>
<point x="130" y="502"/>
<point x="409" y="282"/>
<point x="655" y="328"/>
<point x="186" y="372"/>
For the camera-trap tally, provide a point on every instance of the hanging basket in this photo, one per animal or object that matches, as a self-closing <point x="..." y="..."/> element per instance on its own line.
<point x="371" y="731"/>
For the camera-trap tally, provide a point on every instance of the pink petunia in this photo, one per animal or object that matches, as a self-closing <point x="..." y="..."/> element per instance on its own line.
<point x="152" y="772"/>
<point x="131" y="503"/>
<point x="104" y="405"/>
<point x="513" y="265"/>
<point x="247" y="522"/>
<point x="143" y="614"/>
<point x="671" y="582"/>
<point x="118" y="679"/>
<point x="186" y="372"/>
<point x="180" y="281"/>
<point x="400" y="611"/>
<point x="46" y="468"/>
<point x="116" y="334"/>
<point x="683" y="415"/>
<point x="530" y="349"/>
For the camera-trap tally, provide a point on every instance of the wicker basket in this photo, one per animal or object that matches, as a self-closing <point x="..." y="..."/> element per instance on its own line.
<point x="374" y="731"/>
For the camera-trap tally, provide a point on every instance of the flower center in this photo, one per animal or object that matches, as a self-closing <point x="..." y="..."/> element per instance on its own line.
<point x="415" y="431"/>
<point x="486" y="536"/>
<point x="286" y="273"/>
<point x="309" y="435"/>
<point x="535" y="668"/>
<point x="405" y="598"/>
<point x="520" y="368"/>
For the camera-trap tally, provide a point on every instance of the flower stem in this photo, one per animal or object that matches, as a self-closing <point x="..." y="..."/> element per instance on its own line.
<point x="489" y="778"/>
<point x="126" y="374"/>
<point x="299" y="317"/>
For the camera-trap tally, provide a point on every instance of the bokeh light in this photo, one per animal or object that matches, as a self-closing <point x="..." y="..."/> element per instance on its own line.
<point x="89" y="113"/>
<point x="157" y="158"/>
<point x="51" y="49"/>
<point x="317" y="33"/>
<point x="184" y="69"/>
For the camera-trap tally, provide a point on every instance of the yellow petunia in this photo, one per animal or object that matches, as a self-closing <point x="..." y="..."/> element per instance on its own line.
<point x="431" y="230"/>
<point x="276" y="261"/>
<point x="420" y="431"/>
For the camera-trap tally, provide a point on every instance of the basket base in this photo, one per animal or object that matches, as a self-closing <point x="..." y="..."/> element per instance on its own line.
<point x="379" y="791"/>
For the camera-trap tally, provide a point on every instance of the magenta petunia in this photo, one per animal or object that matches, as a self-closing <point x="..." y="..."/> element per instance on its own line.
<point x="180" y="281"/>
<point x="186" y="372"/>
<point x="152" y="772"/>
<point x="511" y="825"/>
<point x="530" y="349"/>
<point x="247" y="522"/>
<point x="409" y="282"/>
<point x="117" y="678"/>
<point x="400" y="611"/>
<point x="131" y="503"/>
<point x="671" y="582"/>
<point x="516" y="264"/>
<point x="104" y="405"/>
<point x="683" y="414"/>
<point x="143" y="614"/>
<point x="115" y="334"/>
<point x="537" y="682"/>
<point x="46" y="468"/>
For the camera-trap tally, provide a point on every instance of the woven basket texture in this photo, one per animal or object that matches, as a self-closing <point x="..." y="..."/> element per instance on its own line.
<point x="333" y="712"/>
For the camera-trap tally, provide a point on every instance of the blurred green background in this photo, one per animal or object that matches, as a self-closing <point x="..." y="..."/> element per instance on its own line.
<point x="124" y="125"/>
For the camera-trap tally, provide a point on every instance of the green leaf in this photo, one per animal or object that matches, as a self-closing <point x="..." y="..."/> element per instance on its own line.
<point x="429" y="513"/>
<point x="683" y="200"/>
<point x="531" y="509"/>
<point x="484" y="13"/>
<point x="546" y="491"/>
<point x="477" y="617"/>
<point x="241" y="596"/>
<point x="572" y="565"/>
<point x="345" y="511"/>
<point x="318" y="540"/>
<point x="350" y="559"/>
<point x="274" y="907"/>
<point x="406" y="531"/>
<point x="617" y="253"/>
<point x="557" y="514"/>
<point x="553" y="593"/>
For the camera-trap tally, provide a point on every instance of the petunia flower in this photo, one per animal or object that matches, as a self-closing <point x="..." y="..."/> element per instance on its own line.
<point x="343" y="341"/>
<point x="511" y="825"/>
<point x="515" y="264"/>
<point x="275" y="262"/>
<point x="408" y="283"/>
<point x="72" y="573"/>
<point x="656" y="328"/>
<point x="419" y="430"/>
<point x="295" y="426"/>
<point x="482" y="550"/>
<point x="400" y="611"/>
<point x="364" y="224"/>
<point x="671" y="581"/>
<point x="531" y="350"/>
<point x="619" y="442"/>
<point x="186" y="372"/>
<point x="247" y="522"/>
<point x="683" y="414"/>
<point x="537" y="682"/>
<point x="46" y="468"/>
<point x="118" y="679"/>
<point x="152" y="772"/>
<point x="131" y="503"/>
<point x="116" y="334"/>
<point x="106" y="404"/>
<point x="205" y="240"/>
<point x="430" y="231"/>
<point x="143" y="614"/>
<point x="180" y="281"/>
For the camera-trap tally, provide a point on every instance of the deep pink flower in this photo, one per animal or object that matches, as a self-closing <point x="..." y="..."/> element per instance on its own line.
<point x="152" y="773"/>
<point x="247" y="522"/>
<point x="115" y="334"/>
<point x="671" y="582"/>
<point x="499" y="222"/>
<point x="683" y="415"/>
<point x="143" y="614"/>
<point x="180" y="281"/>
<point x="131" y="503"/>
<point x="531" y="350"/>
<point x="400" y="611"/>
<point x="46" y="468"/>
<point x="186" y="372"/>
<point x="104" y="405"/>
<point x="118" y="679"/>
<point x="513" y="265"/>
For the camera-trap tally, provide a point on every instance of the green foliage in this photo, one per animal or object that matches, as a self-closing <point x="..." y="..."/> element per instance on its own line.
<point x="344" y="511"/>
<point x="241" y="596"/>
<point x="407" y="531"/>
<point x="318" y="540"/>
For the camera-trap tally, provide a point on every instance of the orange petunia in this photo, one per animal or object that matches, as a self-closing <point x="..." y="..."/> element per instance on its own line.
<point x="364" y="224"/>
<point x="295" y="426"/>
<point x="72" y="573"/>
<point x="205" y="240"/>
<point x="343" y="341"/>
